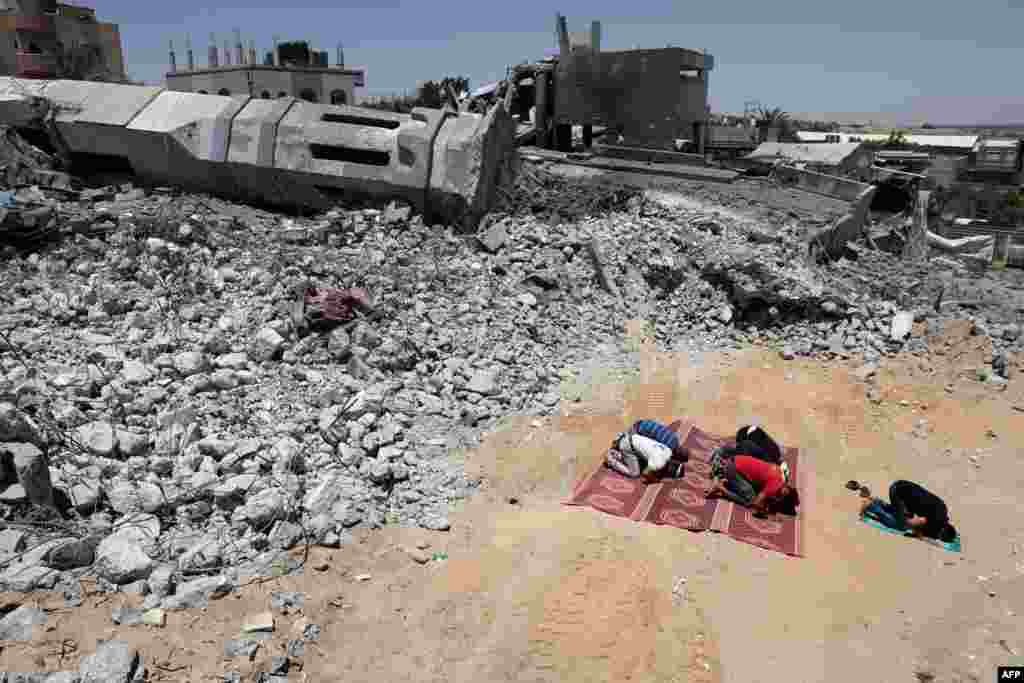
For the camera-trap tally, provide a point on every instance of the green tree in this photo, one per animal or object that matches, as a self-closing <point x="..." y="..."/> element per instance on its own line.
<point x="434" y="93"/>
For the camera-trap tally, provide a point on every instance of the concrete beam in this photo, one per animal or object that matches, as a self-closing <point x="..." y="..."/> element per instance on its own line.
<point x="287" y="151"/>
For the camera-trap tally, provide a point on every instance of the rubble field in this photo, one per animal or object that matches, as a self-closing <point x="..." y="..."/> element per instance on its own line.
<point x="174" y="421"/>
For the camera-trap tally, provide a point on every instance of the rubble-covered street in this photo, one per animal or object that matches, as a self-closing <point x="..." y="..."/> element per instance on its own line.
<point x="176" y="416"/>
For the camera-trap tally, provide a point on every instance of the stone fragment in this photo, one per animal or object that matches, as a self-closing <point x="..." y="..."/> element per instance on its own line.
<point x="114" y="661"/>
<point x="32" y="471"/>
<point x="902" y="322"/>
<point x="241" y="647"/>
<point x="21" y="624"/>
<point x="265" y="345"/>
<point x="494" y="237"/>
<point x="98" y="437"/>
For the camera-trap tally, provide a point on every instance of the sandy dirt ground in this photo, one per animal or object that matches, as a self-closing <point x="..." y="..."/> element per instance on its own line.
<point x="526" y="589"/>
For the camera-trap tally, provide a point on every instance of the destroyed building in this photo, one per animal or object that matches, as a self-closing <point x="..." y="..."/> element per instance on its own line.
<point x="290" y="70"/>
<point x="849" y="159"/>
<point x="648" y="98"/>
<point x="49" y="39"/>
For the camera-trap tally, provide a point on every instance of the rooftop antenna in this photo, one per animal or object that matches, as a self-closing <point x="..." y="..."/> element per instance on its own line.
<point x="213" y="60"/>
<point x="239" y="50"/>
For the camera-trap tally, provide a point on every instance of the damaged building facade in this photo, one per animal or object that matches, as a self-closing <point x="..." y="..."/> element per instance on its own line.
<point x="647" y="98"/>
<point x="49" y="39"/>
<point x="302" y="73"/>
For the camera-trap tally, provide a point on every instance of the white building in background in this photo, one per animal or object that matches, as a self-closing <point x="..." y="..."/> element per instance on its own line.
<point x="313" y="80"/>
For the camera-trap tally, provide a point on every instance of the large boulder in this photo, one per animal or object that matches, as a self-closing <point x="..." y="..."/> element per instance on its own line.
<point x="32" y="470"/>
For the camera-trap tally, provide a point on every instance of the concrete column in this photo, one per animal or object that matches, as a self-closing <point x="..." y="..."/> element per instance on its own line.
<point x="563" y="137"/>
<point x="588" y="136"/>
<point x="541" y="108"/>
<point x="704" y="130"/>
<point x="174" y="62"/>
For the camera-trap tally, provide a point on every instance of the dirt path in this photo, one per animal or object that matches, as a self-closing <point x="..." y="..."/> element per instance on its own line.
<point x="534" y="591"/>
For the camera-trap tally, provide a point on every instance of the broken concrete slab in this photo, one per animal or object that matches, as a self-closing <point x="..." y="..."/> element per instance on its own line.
<point x="114" y="661"/>
<point x="831" y="242"/>
<point x="902" y="323"/>
<point x="20" y="624"/>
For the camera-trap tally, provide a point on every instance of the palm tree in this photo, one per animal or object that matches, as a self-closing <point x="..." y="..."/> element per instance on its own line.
<point x="773" y="118"/>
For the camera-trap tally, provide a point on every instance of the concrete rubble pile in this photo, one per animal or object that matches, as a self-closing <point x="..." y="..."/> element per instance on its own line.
<point x="170" y="421"/>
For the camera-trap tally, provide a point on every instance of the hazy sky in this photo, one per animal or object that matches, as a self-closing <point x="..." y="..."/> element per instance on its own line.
<point x="947" y="62"/>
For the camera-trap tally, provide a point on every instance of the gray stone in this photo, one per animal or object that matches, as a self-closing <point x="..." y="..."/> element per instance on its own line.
<point x="190" y="363"/>
<point x="206" y="554"/>
<point x="24" y="578"/>
<point x="311" y="633"/>
<point x="296" y="648"/>
<point x="198" y="592"/>
<point x="20" y="624"/>
<point x="115" y="661"/>
<point x="265" y="345"/>
<point x="32" y="471"/>
<point x="333" y="424"/>
<point x="215" y="447"/>
<point x="71" y="555"/>
<point x="136" y="372"/>
<point x="902" y="323"/>
<point x="435" y="522"/>
<point x="286" y="600"/>
<point x="494" y="237"/>
<point x="262" y="508"/>
<point x="16" y="426"/>
<point x="380" y="472"/>
<point x="120" y="559"/>
<point x="98" y="437"/>
<point x="241" y="647"/>
<point x="84" y="496"/>
<point x="233" y="489"/>
<point x="131" y="444"/>
<point x="64" y="677"/>
<point x="127" y="497"/>
<point x="161" y="581"/>
<point x="484" y="382"/>
<point x="232" y="361"/>
<point x="12" y="542"/>
<point x="126" y="616"/>
<point x="278" y="666"/>
<point x="339" y="343"/>
<point x="285" y="535"/>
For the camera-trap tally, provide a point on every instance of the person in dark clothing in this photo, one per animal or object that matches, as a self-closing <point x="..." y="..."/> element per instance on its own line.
<point x="914" y="509"/>
<point x="753" y="473"/>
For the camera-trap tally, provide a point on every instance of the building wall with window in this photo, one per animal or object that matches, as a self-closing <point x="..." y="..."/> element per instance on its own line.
<point x="327" y="86"/>
<point x="37" y="39"/>
<point x="657" y="96"/>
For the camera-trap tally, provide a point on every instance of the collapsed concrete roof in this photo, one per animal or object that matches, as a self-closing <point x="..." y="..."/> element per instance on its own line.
<point x="825" y="154"/>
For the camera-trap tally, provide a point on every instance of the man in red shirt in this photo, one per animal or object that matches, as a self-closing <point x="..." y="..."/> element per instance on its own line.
<point x="750" y="481"/>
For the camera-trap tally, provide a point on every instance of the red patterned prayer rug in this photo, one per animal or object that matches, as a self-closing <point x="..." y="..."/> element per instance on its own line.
<point x="681" y="503"/>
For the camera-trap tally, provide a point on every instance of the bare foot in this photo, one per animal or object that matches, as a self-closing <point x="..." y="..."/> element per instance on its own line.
<point x="864" y="507"/>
